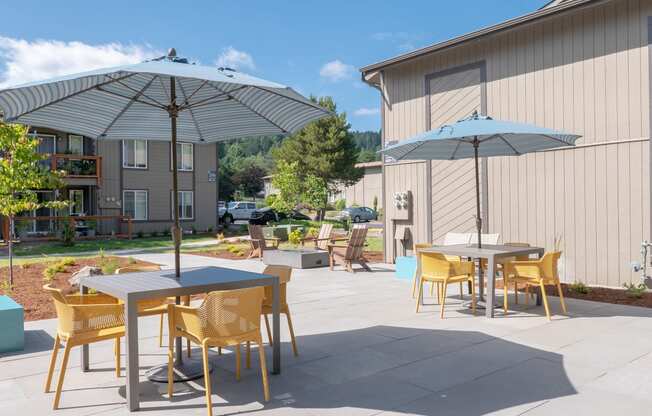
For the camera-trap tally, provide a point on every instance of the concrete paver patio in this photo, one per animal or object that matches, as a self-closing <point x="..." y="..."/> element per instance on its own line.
<point x="364" y="351"/>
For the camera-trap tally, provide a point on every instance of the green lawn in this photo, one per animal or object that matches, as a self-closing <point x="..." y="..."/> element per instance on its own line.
<point x="55" y="247"/>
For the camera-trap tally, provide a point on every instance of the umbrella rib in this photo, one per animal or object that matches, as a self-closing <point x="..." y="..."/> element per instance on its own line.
<point x="126" y="107"/>
<point x="284" y="131"/>
<point x="162" y="107"/>
<point x="192" y="116"/>
<point x="143" y="94"/>
<point x="459" y="142"/>
<point x="196" y="91"/>
<point x="203" y="101"/>
<point x="164" y="88"/>
<point x="70" y="96"/>
<point x="556" y="139"/>
<point x="516" y="152"/>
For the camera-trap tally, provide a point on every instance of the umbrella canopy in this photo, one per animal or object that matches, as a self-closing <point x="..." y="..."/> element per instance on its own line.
<point x="478" y="136"/>
<point x="133" y="102"/>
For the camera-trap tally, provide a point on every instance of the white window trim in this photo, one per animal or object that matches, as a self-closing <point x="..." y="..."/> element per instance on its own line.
<point x="70" y="208"/>
<point x="146" y="203"/>
<point x="81" y="138"/>
<point x="192" y="201"/>
<point x="192" y="152"/>
<point x="124" y="159"/>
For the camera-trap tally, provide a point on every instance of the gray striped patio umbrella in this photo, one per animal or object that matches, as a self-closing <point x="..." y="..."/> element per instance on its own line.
<point x="162" y="99"/>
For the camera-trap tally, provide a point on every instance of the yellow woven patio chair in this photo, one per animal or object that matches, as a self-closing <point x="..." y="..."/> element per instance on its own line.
<point x="436" y="268"/>
<point x="225" y="318"/>
<point x="416" y="248"/>
<point x="539" y="272"/>
<point x="284" y="273"/>
<point x="83" y="320"/>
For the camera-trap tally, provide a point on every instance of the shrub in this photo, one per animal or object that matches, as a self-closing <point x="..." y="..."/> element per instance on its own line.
<point x="220" y="236"/>
<point x="269" y="199"/>
<point x="579" y="287"/>
<point x="109" y="266"/>
<point x="154" y="234"/>
<point x="375" y="203"/>
<point x="635" y="290"/>
<point x="166" y="232"/>
<point x="68" y="261"/>
<point x="52" y="270"/>
<point x="5" y="288"/>
<point x="340" y="204"/>
<point x="140" y="234"/>
<point x="295" y="237"/>
<point x="313" y="232"/>
<point x="68" y="234"/>
<point x="193" y="230"/>
<point x="131" y="260"/>
<point x="209" y="230"/>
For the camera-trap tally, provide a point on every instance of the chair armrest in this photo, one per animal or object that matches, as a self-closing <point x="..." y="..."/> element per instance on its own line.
<point x="187" y="319"/>
<point x="525" y="268"/>
<point x="99" y="316"/>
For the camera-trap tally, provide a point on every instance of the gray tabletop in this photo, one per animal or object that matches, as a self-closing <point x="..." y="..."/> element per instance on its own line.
<point x="162" y="283"/>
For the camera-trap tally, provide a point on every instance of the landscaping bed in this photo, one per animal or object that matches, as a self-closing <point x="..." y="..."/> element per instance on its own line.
<point x="30" y="278"/>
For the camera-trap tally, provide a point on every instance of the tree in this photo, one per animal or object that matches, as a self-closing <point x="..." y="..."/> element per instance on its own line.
<point x="288" y="183"/>
<point x="249" y="179"/>
<point x="324" y="148"/>
<point x="21" y="175"/>
<point x="315" y="194"/>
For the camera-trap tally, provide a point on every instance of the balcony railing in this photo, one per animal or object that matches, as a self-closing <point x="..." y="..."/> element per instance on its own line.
<point x="78" y="166"/>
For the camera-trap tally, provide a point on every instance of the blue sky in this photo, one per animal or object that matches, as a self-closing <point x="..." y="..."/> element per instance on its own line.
<point x="314" y="47"/>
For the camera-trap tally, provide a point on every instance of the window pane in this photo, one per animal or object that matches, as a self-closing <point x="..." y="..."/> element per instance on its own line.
<point x="76" y="145"/>
<point x="76" y="201"/>
<point x="128" y="153"/>
<point x="141" y="153"/>
<point x="184" y="156"/>
<point x="141" y="205"/>
<point x="128" y="206"/>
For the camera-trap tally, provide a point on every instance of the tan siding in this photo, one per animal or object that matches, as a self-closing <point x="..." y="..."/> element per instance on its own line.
<point x="585" y="72"/>
<point x="368" y="188"/>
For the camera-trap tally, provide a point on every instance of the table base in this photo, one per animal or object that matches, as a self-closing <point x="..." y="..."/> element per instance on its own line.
<point x="187" y="370"/>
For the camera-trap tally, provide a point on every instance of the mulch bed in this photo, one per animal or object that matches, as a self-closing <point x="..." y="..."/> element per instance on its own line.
<point x="28" y="283"/>
<point x="371" y="256"/>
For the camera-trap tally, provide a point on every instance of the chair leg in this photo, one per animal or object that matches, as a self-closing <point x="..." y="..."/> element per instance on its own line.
<point x="414" y="283"/>
<point x="545" y="299"/>
<point x="117" y="357"/>
<point x="561" y="297"/>
<point x="473" y="299"/>
<point x="269" y="332"/>
<point x="53" y="362"/>
<point x="160" y="332"/>
<point x="248" y="355"/>
<point x="188" y="347"/>
<point x="207" y="377"/>
<point x="62" y="375"/>
<point x="219" y="350"/>
<point x="505" y="294"/>
<point x="461" y="290"/>
<point x="170" y="357"/>
<point x="419" y="294"/>
<point x="292" y="338"/>
<point x="263" y="368"/>
<point x="527" y="294"/>
<point x="516" y="293"/>
<point x="439" y="293"/>
<point x="443" y="300"/>
<point x="238" y="362"/>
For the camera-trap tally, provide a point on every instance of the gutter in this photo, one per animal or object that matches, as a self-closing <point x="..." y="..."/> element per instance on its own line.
<point x="506" y="25"/>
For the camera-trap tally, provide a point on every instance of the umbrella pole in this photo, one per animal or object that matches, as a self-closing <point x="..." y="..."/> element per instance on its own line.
<point x="478" y="219"/>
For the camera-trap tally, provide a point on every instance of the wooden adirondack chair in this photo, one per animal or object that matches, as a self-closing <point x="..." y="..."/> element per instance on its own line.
<point x="352" y="251"/>
<point x="258" y="242"/>
<point x="322" y="240"/>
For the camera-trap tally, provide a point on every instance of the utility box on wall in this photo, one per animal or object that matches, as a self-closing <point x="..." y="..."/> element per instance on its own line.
<point x="402" y="204"/>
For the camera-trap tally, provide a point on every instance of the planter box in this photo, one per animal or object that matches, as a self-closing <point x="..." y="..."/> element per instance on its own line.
<point x="297" y="259"/>
<point x="405" y="267"/>
<point x="280" y="231"/>
<point x="11" y="325"/>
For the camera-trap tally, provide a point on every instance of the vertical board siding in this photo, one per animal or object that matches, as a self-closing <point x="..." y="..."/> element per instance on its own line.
<point x="585" y="72"/>
<point x="453" y="97"/>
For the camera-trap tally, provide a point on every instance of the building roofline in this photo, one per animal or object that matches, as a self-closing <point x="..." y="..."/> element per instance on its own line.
<point x="546" y="11"/>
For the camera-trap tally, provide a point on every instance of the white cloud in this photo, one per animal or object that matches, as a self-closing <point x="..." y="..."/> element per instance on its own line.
<point x="23" y="61"/>
<point x="366" y="111"/>
<point x="336" y="70"/>
<point x="235" y="59"/>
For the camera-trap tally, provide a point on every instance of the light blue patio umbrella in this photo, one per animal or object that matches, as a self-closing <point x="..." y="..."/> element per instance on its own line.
<point x="162" y="99"/>
<point x="478" y="136"/>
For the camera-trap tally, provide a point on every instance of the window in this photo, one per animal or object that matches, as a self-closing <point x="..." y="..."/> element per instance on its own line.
<point x="134" y="154"/>
<point x="186" y="205"/>
<point x="134" y="204"/>
<point x="76" y="145"/>
<point x="184" y="156"/>
<point x="76" y="201"/>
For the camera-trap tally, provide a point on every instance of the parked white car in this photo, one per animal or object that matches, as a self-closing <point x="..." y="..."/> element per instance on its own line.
<point x="241" y="210"/>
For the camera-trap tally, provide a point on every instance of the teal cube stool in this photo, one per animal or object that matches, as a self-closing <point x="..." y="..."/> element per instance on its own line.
<point x="405" y="267"/>
<point x="11" y="325"/>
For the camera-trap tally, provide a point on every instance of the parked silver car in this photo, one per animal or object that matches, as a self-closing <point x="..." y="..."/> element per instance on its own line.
<point x="358" y="214"/>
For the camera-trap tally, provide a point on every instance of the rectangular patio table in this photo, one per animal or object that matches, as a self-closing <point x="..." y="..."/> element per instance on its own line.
<point x="492" y="253"/>
<point x="133" y="287"/>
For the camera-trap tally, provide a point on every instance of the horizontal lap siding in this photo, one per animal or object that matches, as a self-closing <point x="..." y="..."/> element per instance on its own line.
<point x="584" y="72"/>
